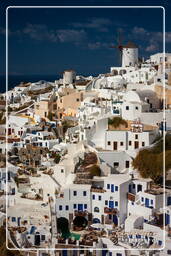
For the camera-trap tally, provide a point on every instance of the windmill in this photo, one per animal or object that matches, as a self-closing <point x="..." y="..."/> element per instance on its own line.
<point x="119" y="45"/>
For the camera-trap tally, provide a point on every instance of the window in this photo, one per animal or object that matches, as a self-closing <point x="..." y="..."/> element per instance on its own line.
<point x="121" y="143"/>
<point x="75" y="206"/>
<point x="151" y="201"/>
<point x="136" y="136"/>
<point x="116" y="188"/>
<point x="66" y="207"/>
<point x="96" y="209"/>
<point x="116" y="203"/>
<point x="130" y="143"/>
<point x="119" y="254"/>
<point x="62" y="170"/>
<point x="108" y="143"/>
<point x="136" y="108"/>
<point x="85" y="206"/>
<point x="169" y="252"/>
<point x="13" y="219"/>
<point x="127" y="164"/>
<point x="106" y="202"/>
<point x="93" y="196"/>
<point x="45" y="114"/>
<point x="142" y="199"/>
<point x="133" y="186"/>
<point x="143" y="144"/>
<point x="74" y="193"/>
<point x="78" y="99"/>
<point x="108" y="186"/>
<point x="42" y="237"/>
<point x="100" y="198"/>
<point x="127" y="107"/>
<point x="60" y="207"/>
<point x="84" y="193"/>
<point x="116" y="164"/>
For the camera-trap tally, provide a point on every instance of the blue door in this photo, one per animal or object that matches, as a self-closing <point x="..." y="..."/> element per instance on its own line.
<point x="115" y="219"/>
<point x="167" y="219"/>
<point x="112" y="188"/>
<point x="80" y="207"/>
<point x="19" y="219"/>
<point x="130" y="188"/>
<point x="147" y="202"/>
<point x="169" y="200"/>
<point x="111" y="204"/>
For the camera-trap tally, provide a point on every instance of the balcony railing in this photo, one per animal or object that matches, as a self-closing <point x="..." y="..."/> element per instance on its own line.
<point x="131" y="197"/>
<point x="110" y="210"/>
<point x="80" y="213"/>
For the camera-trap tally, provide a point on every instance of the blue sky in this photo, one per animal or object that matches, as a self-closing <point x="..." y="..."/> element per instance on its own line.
<point x="47" y="41"/>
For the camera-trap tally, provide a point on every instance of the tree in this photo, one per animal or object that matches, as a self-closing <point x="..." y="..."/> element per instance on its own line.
<point x="63" y="227"/>
<point x="149" y="162"/>
<point x="117" y="121"/>
<point x="95" y="170"/>
<point x="57" y="158"/>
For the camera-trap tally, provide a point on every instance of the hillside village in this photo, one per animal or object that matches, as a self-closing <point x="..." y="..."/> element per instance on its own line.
<point x="84" y="160"/>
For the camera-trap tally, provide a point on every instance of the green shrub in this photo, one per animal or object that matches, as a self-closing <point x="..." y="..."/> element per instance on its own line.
<point x="57" y="158"/>
<point x="95" y="170"/>
<point x="117" y="121"/>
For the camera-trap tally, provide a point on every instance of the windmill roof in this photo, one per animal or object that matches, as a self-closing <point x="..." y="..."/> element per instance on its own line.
<point x="130" y="45"/>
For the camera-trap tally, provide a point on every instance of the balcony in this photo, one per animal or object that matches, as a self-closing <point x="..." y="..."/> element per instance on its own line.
<point x="80" y="213"/>
<point x="98" y="190"/>
<point x="131" y="197"/>
<point x="112" y="211"/>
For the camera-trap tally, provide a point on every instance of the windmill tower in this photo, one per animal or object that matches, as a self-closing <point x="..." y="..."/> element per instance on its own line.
<point x="128" y="53"/>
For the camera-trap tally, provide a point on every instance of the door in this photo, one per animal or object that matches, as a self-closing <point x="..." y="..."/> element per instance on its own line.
<point x="136" y="144"/>
<point x="139" y="188"/>
<point x="115" y="145"/>
<point x="80" y="207"/>
<point x="147" y="202"/>
<point x="111" y="204"/>
<point x="115" y="219"/>
<point x="167" y="219"/>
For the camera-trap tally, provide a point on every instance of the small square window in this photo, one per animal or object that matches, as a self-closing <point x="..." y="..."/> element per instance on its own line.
<point x="108" y="143"/>
<point x="62" y="170"/>
<point x="75" y="206"/>
<point x="93" y="196"/>
<point x="108" y="186"/>
<point x="116" y="203"/>
<point x="66" y="207"/>
<point x="13" y="219"/>
<point x="130" y="143"/>
<point x="116" y="164"/>
<point x="136" y="136"/>
<point x="106" y="202"/>
<point x="74" y="193"/>
<point x="84" y="193"/>
<point x="127" y="107"/>
<point x="116" y="188"/>
<point x="100" y="198"/>
<point x="143" y="144"/>
<point x="151" y="201"/>
<point x="60" y="207"/>
<point x="121" y="143"/>
<point x="142" y="199"/>
<point x="136" y="108"/>
<point x="85" y="206"/>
